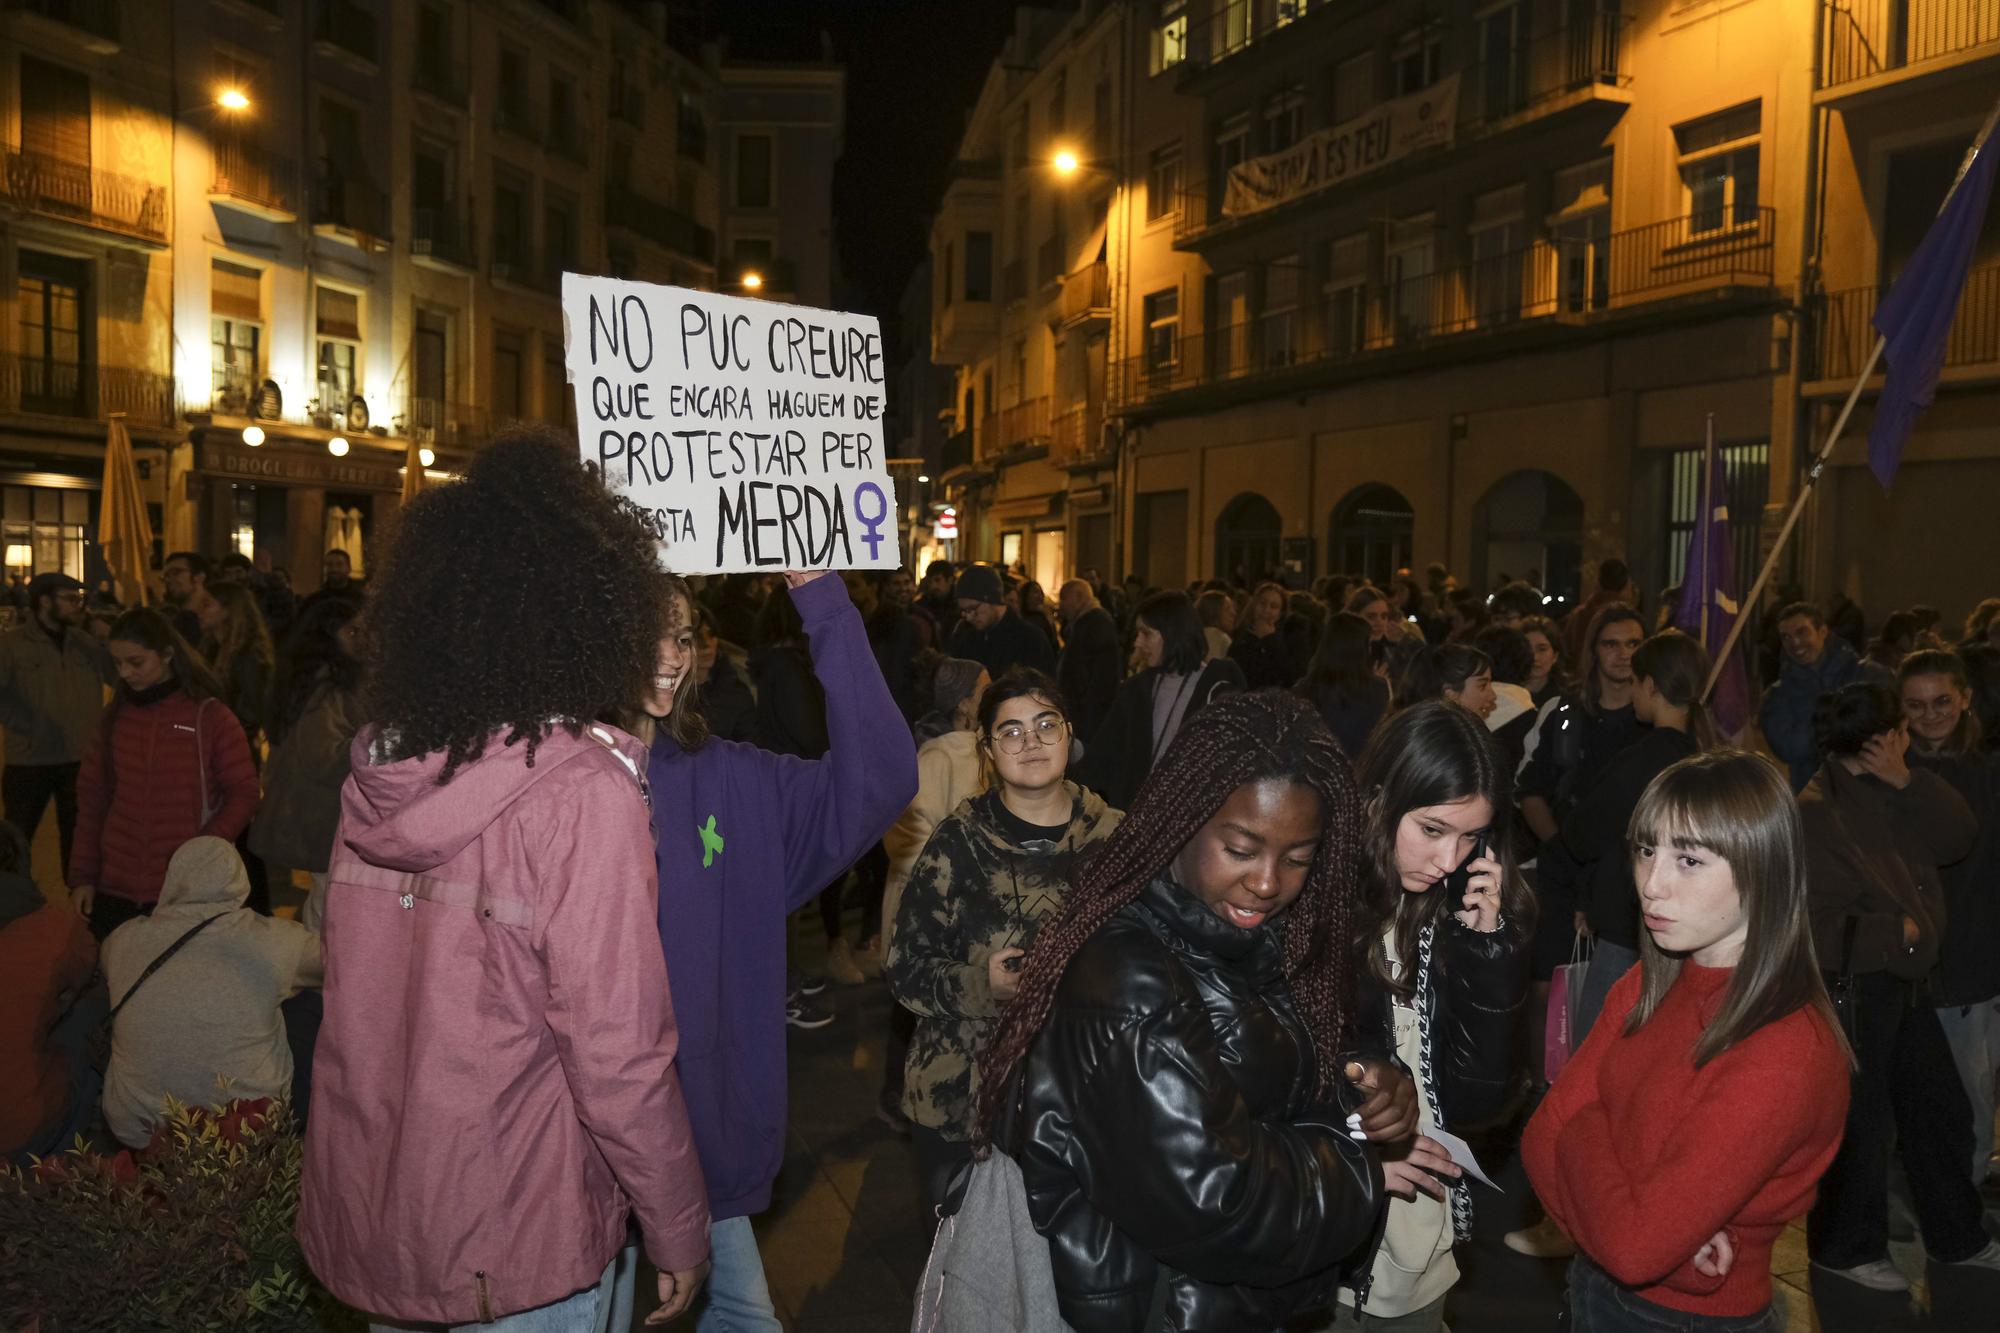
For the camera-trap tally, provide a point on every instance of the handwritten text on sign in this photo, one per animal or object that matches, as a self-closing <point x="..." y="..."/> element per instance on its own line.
<point x="750" y="432"/>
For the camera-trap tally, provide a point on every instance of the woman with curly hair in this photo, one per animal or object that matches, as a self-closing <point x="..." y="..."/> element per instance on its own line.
<point x="1174" y="1076"/>
<point x="746" y="837"/>
<point x="494" y="1086"/>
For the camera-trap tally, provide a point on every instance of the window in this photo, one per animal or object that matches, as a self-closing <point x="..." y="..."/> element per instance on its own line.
<point x="1234" y="26"/>
<point x="558" y="407"/>
<point x="753" y="171"/>
<point x="55" y="113"/>
<point x="337" y="322"/>
<point x="1581" y="227"/>
<point x="1352" y="89"/>
<point x="979" y="266"/>
<point x="433" y="45"/>
<point x="1497" y="236"/>
<point x="1058" y="117"/>
<point x="1163" y="183"/>
<point x="1163" y="329"/>
<point x="1284" y="118"/>
<point x="1409" y="270"/>
<point x="1017" y="362"/>
<point x="51" y="303"/>
<point x="236" y="334"/>
<point x="1346" y="294"/>
<point x="693" y="132"/>
<point x="1719" y="167"/>
<point x="1170" y="35"/>
<point x="1281" y="308"/>
<point x="512" y="100"/>
<point x="1010" y="549"/>
<point x="51" y="523"/>
<point x="1419" y="58"/>
<point x="1229" y="323"/>
<point x="562" y="113"/>
<point x="1232" y="149"/>
<point x="558" y="234"/>
<point x="1503" y="60"/>
<point x="428" y="371"/>
<point x="510" y="223"/>
<point x="507" y="367"/>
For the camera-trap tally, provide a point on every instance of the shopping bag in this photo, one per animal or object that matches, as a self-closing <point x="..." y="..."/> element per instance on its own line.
<point x="1565" y="998"/>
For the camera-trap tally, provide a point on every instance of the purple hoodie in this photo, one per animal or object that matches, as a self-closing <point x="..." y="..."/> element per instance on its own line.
<point x="745" y="838"/>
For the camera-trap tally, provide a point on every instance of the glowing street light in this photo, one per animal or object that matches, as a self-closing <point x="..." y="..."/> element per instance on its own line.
<point x="922" y="479"/>
<point x="253" y="436"/>
<point x="752" y="279"/>
<point x="337" y="446"/>
<point x="427" y="456"/>
<point x="233" y="99"/>
<point x="1066" y="163"/>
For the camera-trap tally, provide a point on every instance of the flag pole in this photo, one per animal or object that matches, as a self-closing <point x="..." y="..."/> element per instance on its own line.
<point x="1982" y="142"/>
<point x="1707" y="517"/>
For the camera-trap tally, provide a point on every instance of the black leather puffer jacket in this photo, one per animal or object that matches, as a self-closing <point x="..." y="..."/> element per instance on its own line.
<point x="1167" y="1116"/>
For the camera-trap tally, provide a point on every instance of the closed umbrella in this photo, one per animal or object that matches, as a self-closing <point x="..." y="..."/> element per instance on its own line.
<point x="413" y="473"/>
<point x="123" y="530"/>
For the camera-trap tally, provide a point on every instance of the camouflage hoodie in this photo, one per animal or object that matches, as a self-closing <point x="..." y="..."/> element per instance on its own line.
<point x="973" y="892"/>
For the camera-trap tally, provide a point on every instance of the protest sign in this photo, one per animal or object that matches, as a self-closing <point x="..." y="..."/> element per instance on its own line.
<point x="750" y="432"/>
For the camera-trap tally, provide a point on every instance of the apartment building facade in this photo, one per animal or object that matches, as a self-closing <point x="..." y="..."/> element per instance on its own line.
<point x="1466" y="281"/>
<point x="351" y="242"/>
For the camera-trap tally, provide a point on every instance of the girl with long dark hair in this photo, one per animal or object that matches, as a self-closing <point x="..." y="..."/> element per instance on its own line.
<point x="1175" y="1076"/>
<point x="747" y="835"/>
<point x="1445" y="941"/>
<point x="992" y="872"/>
<point x="1174" y="683"/>
<point x="1344" y="683"/>
<point x="169" y="762"/>
<point x="1697" y="1119"/>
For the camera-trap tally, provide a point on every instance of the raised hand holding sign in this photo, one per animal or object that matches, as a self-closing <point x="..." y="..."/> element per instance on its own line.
<point x="750" y="432"/>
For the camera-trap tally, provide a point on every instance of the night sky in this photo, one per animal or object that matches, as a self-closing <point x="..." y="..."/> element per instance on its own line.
<point x="914" y="68"/>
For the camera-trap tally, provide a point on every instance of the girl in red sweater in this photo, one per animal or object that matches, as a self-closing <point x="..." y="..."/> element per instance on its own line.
<point x="169" y="762"/>
<point x="1709" y="1098"/>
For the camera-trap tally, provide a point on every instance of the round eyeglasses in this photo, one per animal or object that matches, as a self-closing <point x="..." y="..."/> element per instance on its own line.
<point x="1014" y="737"/>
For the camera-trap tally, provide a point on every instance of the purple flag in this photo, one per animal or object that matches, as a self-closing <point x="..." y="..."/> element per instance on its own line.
<point x="1710" y="579"/>
<point x="1915" y="317"/>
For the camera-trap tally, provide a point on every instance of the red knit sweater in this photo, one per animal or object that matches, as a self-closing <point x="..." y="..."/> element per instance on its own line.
<point x="1642" y="1157"/>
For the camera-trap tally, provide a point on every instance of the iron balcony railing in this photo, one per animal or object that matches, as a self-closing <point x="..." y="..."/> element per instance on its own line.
<point x="662" y="224"/>
<point x="53" y="387"/>
<point x="434" y="421"/>
<point x="1864" y="38"/>
<point x="443" y="235"/>
<point x="350" y="204"/>
<point x="1845" y="330"/>
<point x="348" y="27"/>
<point x="1085" y="291"/>
<point x="247" y="172"/>
<point x="1574" y="279"/>
<point x="78" y="192"/>
<point x="1076" y="433"/>
<point x="1025" y="423"/>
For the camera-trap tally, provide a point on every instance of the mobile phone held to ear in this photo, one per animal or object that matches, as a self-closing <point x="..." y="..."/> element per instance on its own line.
<point x="1455" y="883"/>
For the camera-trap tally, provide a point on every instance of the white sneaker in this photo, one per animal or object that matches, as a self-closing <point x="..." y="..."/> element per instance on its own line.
<point x="1544" y="1240"/>
<point x="1880" y="1275"/>
<point x="1988" y="1258"/>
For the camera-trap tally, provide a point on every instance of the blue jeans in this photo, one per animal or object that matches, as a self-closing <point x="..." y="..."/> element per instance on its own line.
<point x="1595" y="1303"/>
<point x="737" y="1299"/>
<point x="586" y="1311"/>
<point x="1608" y="962"/>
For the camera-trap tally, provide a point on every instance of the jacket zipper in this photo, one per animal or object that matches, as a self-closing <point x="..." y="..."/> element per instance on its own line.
<point x="485" y="1305"/>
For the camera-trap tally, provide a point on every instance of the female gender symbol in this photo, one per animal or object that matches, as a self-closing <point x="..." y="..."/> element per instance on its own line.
<point x="872" y="523"/>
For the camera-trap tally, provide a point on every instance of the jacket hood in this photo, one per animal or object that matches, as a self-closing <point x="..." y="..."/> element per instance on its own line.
<point x="1087" y="811"/>
<point x="1510" y="702"/>
<point x="397" y="816"/>
<point x="205" y="872"/>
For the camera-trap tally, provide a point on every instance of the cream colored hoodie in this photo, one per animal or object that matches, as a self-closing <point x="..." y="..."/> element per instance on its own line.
<point x="1415" y="1265"/>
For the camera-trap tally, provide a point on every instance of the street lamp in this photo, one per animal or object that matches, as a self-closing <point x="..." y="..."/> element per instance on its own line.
<point x="337" y="446"/>
<point x="233" y="99"/>
<point x="426" y="456"/>
<point x="253" y="435"/>
<point x="752" y="280"/>
<point x="1066" y="162"/>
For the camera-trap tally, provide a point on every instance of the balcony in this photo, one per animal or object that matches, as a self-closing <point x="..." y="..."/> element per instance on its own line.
<point x="1012" y="429"/>
<point x="524" y="274"/>
<point x="1543" y="293"/>
<point x="1077" y="434"/>
<point x="253" y="182"/>
<point x="441" y="239"/>
<point x="1086" y="297"/>
<point x="963" y="331"/>
<point x="1844" y="330"/>
<point x="956" y="453"/>
<point x="441" y="79"/>
<point x="345" y="31"/>
<point x="45" y="387"/>
<point x="442" y="424"/>
<point x="349" y="209"/>
<point x="1555" y="74"/>
<point x="1871" y="42"/>
<point x="91" y="24"/>
<point x="626" y="209"/>
<point x="76" y="192"/>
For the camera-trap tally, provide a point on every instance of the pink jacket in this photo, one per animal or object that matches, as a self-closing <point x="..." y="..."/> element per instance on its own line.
<point x="494" y="1085"/>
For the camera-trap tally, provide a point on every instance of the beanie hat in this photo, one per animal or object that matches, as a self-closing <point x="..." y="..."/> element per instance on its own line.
<point x="980" y="583"/>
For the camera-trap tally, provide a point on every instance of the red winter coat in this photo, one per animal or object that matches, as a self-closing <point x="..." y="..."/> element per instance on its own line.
<point x="132" y="818"/>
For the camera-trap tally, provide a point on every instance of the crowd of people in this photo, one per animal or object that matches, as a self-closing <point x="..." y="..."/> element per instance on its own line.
<point x="1225" y="914"/>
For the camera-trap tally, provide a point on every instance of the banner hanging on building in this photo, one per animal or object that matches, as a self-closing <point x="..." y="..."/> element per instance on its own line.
<point x="750" y="432"/>
<point x="1388" y="133"/>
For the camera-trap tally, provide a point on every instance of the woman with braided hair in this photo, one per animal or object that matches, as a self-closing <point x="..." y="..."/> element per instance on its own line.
<point x="1175" y="1075"/>
<point x="1445" y="939"/>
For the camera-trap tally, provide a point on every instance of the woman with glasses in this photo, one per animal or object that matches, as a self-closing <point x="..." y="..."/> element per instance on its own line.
<point x="1175" y="681"/>
<point x="993" y="870"/>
